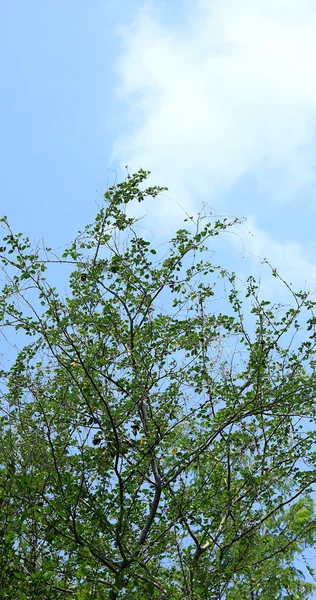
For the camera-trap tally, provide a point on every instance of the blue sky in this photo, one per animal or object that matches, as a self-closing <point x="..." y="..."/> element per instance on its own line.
<point x="218" y="99"/>
<point x="58" y="111"/>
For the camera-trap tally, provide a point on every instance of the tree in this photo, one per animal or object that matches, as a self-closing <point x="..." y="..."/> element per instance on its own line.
<point x="157" y="430"/>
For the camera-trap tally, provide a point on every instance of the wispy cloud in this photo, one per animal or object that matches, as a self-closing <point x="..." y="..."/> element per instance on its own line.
<point x="291" y="260"/>
<point x="235" y="93"/>
<point x="231" y="94"/>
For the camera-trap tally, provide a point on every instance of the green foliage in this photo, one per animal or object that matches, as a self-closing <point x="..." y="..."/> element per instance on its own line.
<point x="158" y="430"/>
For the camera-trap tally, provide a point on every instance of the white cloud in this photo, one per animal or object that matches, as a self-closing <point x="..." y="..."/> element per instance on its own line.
<point x="229" y="93"/>
<point x="234" y="93"/>
<point x="289" y="258"/>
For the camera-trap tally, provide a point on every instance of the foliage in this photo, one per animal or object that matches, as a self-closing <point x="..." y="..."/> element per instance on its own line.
<point x="157" y="429"/>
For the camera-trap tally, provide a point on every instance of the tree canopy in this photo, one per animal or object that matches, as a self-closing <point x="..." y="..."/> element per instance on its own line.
<point x="157" y="422"/>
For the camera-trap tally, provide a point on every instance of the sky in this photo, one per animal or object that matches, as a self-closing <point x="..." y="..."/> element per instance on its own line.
<point x="216" y="98"/>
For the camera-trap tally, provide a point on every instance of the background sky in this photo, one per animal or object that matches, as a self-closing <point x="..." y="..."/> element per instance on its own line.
<point x="216" y="98"/>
